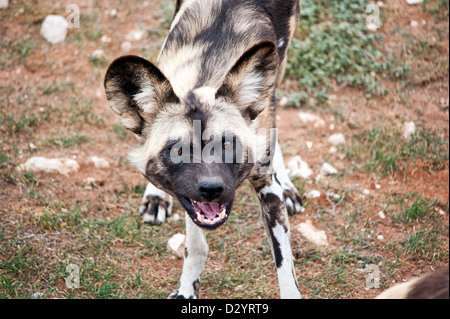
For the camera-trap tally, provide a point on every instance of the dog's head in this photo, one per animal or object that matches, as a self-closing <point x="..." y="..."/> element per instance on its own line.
<point x="201" y="146"/>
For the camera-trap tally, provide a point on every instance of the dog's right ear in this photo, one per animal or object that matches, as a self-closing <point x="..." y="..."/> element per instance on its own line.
<point x="136" y="89"/>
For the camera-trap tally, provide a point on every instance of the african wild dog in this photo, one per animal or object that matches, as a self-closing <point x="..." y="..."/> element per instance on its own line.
<point x="205" y="115"/>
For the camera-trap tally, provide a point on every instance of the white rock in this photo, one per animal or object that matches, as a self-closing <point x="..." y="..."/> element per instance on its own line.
<point x="50" y="165"/>
<point x="54" y="28"/>
<point x="311" y="119"/>
<point x="332" y="150"/>
<point x="135" y="35"/>
<point x="313" y="194"/>
<point x="176" y="244"/>
<point x="409" y="128"/>
<point x="377" y="186"/>
<point x="309" y="144"/>
<point x="99" y="53"/>
<point x="380" y="237"/>
<point x="283" y="101"/>
<point x="3" y="4"/>
<point x="381" y="214"/>
<point x="413" y="2"/>
<point x="126" y="46"/>
<point x="312" y="234"/>
<point x="298" y="168"/>
<point x="336" y="139"/>
<point x="414" y="23"/>
<point x="99" y="162"/>
<point x="328" y="169"/>
<point x="105" y="39"/>
<point x="32" y="146"/>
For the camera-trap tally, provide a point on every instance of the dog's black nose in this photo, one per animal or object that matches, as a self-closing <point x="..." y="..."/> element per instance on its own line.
<point x="211" y="188"/>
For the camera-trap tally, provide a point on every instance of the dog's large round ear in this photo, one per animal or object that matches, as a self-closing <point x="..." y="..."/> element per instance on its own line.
<point x="252" y="79"/>
<point x="135" y="90"/>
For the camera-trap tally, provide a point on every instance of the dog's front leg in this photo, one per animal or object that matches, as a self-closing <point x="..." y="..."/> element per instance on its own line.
<point x="276" y="223"/>
<point x="196" y="252"/>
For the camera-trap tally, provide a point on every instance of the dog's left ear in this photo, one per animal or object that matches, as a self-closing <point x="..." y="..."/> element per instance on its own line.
<point x="251" y="80"/>
<point x="136" y="90"/>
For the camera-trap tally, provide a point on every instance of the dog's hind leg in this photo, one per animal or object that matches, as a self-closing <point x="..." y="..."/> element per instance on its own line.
<point x="292" y="197"/>
<point x="156" y="205"/>
<point x="196" y="252"/>
<point x="276" y="223"/>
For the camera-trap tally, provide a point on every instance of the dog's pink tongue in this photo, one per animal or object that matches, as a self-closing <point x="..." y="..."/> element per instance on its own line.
<point x="210" y="210"/>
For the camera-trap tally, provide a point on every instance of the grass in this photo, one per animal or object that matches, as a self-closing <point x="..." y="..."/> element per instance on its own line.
<point x="384" y="150"/>
<point x="333" y="45"/>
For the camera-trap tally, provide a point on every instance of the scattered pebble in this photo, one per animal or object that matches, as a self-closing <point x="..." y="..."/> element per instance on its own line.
<point x="414" y="24"/>
<point x="126" y="46"/>
<point x="176" y="244"/>
<point x="381" y="214"/>
<point x="63" y="166"/>
<point x="283" y="101"/>
<point x="99" y="162"/>
<point x="409" y="128"/>
<point x="328" y="169"/>
<point x="99" y="53"/>
<point x="311" y="119"/>
<point x="377" y="186"/>
<point x="413" y="2"/>
<point x="309" y="144"/>
<point x="135" y="35"/>
<point x="105" y="39"/>
<point x="332" y="150"/>
<point x="380" y="237"/>
<point x="336" y="139"/>
<point x="298" y="168"/>
<point x="3" y="4"/>
<point x="54" y="28"/>
<point x="313" y="194"/>
<point x="312" y="234"/>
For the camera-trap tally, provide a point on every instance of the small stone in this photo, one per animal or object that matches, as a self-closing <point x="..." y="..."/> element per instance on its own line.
<point x="328" y="169"/>
<point x="50" y="165"/>
<point x="99" y="162"/>
<point x="126" y="46"/>
<point x="176" y="244"/>
<point x="414" y="2"/>
<point x="312" y="234"/>
<point x="309" y="144"/>
<point x="414" y="24"/>
<point x="283" y="101"/>
<point x="381" y="214"/>
<point x="336" y="139"/>
<point x="311" y="119"/>
<point x="99" y="53"/>
<point x="54" y="29"/>
<point x="380" y="237"/>
<point x="3" y="4"/>
<point x="299" y="168"/>
<point x="313" y="194"/>
<point x="409" y="128"/>
<point x="135" y="35"/>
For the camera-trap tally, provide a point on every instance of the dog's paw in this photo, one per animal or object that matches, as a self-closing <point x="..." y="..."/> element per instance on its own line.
<point x="293" y="201"/>
<point x="189" y="291"/>
<point x="156" y="206"/>
<point x="155" y="210"/>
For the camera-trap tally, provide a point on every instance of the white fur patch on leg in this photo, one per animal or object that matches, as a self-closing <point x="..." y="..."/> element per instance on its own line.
<point x="286" y="276"/>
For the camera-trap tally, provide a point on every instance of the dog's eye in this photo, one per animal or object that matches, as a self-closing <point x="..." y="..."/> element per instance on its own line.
<point x="177" y="151"/>
<point x="226" y="145"/>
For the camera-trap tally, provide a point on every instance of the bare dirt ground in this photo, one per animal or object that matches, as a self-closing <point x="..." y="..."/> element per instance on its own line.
<point x="52" y="104"/>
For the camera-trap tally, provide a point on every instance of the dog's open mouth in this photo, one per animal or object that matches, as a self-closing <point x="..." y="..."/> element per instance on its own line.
<point x="206" y="214"/>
